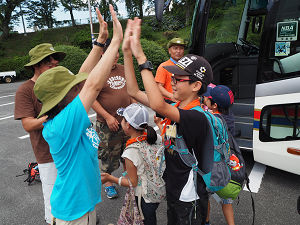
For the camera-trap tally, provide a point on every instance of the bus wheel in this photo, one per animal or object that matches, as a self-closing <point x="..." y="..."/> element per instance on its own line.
<point x="7" y="80"/>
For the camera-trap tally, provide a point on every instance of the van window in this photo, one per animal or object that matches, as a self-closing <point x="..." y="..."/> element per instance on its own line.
<point x="280" y="123"/>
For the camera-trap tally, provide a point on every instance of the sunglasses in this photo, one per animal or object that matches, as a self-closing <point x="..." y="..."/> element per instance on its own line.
<point x="175" y="80"/>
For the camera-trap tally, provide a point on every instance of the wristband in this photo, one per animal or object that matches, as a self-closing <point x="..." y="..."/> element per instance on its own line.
<point x="120" y="180"/>
<point x="99" y="44"/>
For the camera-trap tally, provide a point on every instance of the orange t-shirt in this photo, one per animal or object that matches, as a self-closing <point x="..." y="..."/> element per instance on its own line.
<point x="163" y="76"/>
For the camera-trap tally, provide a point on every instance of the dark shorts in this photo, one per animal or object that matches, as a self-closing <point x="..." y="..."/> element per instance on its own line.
<point x="182" y="213"/>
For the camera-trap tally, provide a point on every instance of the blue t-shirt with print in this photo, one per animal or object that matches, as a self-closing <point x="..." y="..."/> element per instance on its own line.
<point x="73" y="146"/>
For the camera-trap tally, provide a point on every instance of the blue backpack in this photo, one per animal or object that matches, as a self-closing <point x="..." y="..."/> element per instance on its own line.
<point x="215" y="163"/>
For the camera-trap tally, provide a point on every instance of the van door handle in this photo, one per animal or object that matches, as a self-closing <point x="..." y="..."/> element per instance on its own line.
<point x="293" y="151"/>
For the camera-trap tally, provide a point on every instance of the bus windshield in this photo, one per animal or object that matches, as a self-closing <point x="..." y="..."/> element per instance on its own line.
<point x="281" y="38"/>
<point x="224" y="23"/>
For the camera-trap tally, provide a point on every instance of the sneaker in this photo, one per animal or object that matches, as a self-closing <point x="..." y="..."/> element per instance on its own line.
<point x="111" y="192"/>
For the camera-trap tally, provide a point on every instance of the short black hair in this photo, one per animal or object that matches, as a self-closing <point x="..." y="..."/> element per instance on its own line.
<point x="203" y="88"/>
<point x="222" y="110"/>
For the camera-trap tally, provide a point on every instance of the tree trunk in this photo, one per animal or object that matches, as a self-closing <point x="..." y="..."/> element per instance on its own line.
<point x="141" y="9"/>
<point x="5" y="30"/>
<point x="72" y="18"/>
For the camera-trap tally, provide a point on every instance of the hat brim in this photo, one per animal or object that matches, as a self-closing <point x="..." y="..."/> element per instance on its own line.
<point x="174" y="44"/>
<point x="54" y="101"/>
<point x="61" y="56"/>
<point x="176" y="70"/>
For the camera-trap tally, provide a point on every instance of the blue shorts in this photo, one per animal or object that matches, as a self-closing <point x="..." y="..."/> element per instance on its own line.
<point x="227" y="201"/>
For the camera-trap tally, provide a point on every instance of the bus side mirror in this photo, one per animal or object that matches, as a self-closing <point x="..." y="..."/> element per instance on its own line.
<point x="256" y="24"/>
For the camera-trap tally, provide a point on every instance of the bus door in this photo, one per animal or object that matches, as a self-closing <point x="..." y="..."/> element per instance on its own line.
<point x="276" y="127"/>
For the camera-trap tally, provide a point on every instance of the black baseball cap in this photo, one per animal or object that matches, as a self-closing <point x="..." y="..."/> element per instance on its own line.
<point x="193" y="65"/>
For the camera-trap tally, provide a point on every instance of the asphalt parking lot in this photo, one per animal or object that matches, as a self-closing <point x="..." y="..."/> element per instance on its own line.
<point x="20" y="204"/>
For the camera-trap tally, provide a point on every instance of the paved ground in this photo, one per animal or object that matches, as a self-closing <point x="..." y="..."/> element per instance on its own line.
<point x="21" y="204"/>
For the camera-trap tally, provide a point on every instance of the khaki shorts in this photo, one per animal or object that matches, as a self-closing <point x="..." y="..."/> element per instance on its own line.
<point x="87" y="219"/>
<point x="112" y="145"/>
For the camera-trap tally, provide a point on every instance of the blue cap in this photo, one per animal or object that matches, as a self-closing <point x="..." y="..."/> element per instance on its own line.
<point x="208" y="92"/>
<point x="222" y="95"/>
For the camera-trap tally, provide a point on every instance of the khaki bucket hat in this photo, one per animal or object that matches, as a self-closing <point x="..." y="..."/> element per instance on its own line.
<point x="53" y="85"/>
<point x="176" y="41"/>
<point x="41" y="51"/>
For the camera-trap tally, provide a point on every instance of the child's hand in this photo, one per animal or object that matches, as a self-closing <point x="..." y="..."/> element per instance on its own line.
<point x="157" y="120"/>
<point x="127" y="34"/>
<point x="105" y="177"/>
<point x="135" y="42"/>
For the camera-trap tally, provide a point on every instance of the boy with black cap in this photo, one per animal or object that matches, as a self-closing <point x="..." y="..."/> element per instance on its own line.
<point x="192" y="74"/>
<point x="27" y="108"/>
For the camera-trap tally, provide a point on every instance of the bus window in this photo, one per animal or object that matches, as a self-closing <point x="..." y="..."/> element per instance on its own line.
<point x="280" y="123"/>
<point x="281" y="38"/>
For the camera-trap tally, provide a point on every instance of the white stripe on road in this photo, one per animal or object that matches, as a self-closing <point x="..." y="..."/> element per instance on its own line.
<point x="27" y="135"/>
<point x="6" y="96"/>
<point x="7" y="117"/>
<point x="8" y="103"/>
<point x="256" y="176"/>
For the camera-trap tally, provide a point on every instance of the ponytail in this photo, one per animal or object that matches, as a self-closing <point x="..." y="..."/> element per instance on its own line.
<point x="151" y="135"/>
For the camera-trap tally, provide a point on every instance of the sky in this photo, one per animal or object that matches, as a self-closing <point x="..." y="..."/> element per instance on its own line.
<point x="60" y="15"/>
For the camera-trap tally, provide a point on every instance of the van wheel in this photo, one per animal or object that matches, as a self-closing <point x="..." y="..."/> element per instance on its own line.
<point x="7" y="80"/>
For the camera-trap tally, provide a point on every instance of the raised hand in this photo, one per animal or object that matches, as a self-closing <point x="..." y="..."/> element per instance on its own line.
<point x="103" y="31"/>
<point x="127" y="34"/>
<point x="135" y="42"/>
<point x="117" y="28"/>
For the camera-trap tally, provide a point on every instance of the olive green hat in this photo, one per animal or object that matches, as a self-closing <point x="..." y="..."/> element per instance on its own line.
<point x="41" y="51"/>
<point x="176" y="41"/>
<point x="53" y="85"/>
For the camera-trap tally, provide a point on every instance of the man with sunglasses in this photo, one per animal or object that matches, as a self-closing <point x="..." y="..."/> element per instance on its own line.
<point x="42" y="57"/>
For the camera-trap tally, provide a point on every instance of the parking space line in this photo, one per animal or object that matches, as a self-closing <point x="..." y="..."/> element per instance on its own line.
<point x="256" y="176"/>
<point x="10" y="103"/>
<point x="6" y="96"/>
<point x="23" y="137"/>
<point x="7" y="117"/>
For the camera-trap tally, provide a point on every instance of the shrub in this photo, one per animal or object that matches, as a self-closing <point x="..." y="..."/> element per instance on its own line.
<point x="154" y="53"/>
<point x="82" y="39"/>
<point x="74" y="58"/>
<point x="169" y="34"/>
<point x="16" y="64"/>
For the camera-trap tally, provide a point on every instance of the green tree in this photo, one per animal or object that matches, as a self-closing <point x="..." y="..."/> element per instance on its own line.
<point x="103" y="6"/>
<point x="70" y="5"/>
<point x="135" y="8"/>
<point x="7" y="17"/>
<point x="184" y="8"/>
<point x="40" y="13"/>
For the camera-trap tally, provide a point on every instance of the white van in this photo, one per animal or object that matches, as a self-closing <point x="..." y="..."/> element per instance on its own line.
<point x="8" y="76"/>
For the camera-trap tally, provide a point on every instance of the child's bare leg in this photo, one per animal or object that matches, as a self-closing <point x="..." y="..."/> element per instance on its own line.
<point x="228" y="213"/>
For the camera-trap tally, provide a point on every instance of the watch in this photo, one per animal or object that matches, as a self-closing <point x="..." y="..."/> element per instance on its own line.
<point x="147" y="65"/>
<point x="99" y="44"/>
